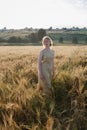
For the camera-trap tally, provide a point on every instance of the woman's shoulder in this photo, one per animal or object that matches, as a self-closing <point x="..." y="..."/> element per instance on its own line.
<point x="41" y="51"/>
<point x="44" y="51"/>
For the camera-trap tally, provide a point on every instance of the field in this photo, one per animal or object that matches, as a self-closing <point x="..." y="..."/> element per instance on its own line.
<point x="22" y="107"/>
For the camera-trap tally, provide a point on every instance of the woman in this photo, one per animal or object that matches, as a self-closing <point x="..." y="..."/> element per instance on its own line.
<point x="45" y="66"/>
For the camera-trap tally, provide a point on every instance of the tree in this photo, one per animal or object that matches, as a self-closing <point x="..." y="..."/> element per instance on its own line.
<point x="41" y="33"/>
<point x="33" y="37"/>
<point x="74" y="40"/>
<point x="15" y="39"/>
<point x="12" y="39"/>
<point x="61" y="39"/>
<point x="86" y="40"/>
<point x="50" y="28"/>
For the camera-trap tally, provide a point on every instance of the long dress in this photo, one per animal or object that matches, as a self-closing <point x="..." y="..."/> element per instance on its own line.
<point x="46" y="66"/>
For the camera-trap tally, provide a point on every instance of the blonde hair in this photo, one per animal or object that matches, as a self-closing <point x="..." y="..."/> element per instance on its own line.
<point x="47" y="37"/>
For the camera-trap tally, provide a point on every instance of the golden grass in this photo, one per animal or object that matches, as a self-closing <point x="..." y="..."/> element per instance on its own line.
<point x="22" y="107"/>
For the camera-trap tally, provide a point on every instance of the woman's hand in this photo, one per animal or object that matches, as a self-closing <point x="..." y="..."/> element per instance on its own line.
<point x="52" y="74"/>
<point x="41" y="76"/>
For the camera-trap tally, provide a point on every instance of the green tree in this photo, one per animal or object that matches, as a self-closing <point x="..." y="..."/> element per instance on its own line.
<point x="86" y="40"/>
<point x="15" y="39"/>
<point x="2" y="39"/>
<point x="33" y="37"/>
<point x="61" y="39"/>
<point x="74" y="40"/>
<point x="41" y="33"/>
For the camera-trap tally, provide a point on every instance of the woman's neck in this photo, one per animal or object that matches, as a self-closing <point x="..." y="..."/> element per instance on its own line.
<point x="47" y="48"/>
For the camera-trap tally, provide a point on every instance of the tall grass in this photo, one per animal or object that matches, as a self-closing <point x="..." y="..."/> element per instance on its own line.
<point x="22" y="107"/>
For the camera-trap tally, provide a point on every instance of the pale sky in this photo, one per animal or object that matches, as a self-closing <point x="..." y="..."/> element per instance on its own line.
<point x="43" y="13"/>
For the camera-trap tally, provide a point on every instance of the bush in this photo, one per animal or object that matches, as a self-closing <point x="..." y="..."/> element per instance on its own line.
<point x="14" y="39"/>
<point x="74" y="40"/>
<point x="61" y="39"/>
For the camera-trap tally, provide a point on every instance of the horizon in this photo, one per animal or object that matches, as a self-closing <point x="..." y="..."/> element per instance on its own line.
<point x="53" y="28"/>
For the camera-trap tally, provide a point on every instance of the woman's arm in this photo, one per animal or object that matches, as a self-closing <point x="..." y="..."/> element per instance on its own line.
<point x="40" y="65"/>
<point x="53" y="67"/>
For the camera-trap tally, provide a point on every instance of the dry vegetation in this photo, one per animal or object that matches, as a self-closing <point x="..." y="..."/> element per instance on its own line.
<point x="23" y="108"/>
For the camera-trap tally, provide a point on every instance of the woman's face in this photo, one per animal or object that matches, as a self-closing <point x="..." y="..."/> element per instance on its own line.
<point x="47" y="43"/>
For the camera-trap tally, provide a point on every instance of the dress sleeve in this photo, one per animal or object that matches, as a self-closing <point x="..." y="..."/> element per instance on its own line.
<point x="39" y="62"/>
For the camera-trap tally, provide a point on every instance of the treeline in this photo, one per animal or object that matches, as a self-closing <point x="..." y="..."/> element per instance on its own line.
<point x="34" y="38"/>
<point x="31" y="38"/>
<point x="73" y="40"/>
<point x="69" y="37"/>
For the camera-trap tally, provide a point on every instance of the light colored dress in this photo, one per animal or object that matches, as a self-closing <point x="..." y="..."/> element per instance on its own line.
<point x="47" y="68"/>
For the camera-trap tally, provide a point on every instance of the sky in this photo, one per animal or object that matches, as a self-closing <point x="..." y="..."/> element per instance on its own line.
<point x="19" y="14"/>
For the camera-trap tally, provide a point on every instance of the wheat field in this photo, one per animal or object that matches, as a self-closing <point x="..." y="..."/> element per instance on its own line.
<point x="22" y="107"/>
